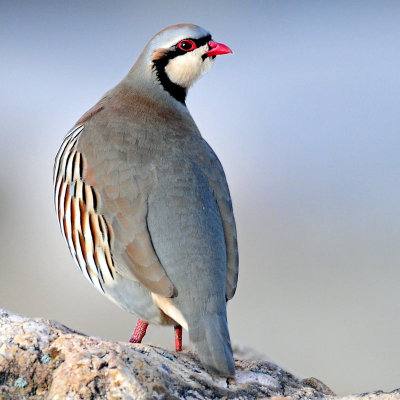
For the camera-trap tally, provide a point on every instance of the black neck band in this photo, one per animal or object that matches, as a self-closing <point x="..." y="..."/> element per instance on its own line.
<point x="176" y="91"/>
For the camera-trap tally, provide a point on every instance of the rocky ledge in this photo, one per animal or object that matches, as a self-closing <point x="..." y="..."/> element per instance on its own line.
<point x="42" y="359"/>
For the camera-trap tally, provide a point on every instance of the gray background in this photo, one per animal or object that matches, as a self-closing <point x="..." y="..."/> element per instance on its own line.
<point x="305" y="119"/>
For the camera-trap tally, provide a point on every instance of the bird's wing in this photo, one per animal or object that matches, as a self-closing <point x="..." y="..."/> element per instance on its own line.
<point x="210" y="165"/>
<point x="111" y="196"/>
<point x="228" y="222"/>
<point x="188" y="234"/>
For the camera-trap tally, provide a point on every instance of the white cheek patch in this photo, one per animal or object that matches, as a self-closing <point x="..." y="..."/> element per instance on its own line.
<point x="184" y="70"/>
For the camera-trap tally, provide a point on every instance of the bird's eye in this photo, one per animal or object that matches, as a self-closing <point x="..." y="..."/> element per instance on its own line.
<point x="186" y="45"/>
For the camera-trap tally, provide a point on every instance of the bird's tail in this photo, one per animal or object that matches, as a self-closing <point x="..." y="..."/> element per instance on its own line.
<point x="210" y="335"/>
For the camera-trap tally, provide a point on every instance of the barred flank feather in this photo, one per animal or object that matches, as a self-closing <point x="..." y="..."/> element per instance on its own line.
<point x="86" y="232"/>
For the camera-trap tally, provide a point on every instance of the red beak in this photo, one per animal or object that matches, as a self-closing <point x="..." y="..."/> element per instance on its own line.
<point x="217" y="48"/>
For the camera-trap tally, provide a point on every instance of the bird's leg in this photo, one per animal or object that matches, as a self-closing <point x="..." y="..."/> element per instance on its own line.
<point x="139" y="331"/>
<point x="178" y="337"/>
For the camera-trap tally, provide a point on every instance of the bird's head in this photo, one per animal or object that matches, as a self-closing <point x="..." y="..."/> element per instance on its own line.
<point x="177" y="56"/>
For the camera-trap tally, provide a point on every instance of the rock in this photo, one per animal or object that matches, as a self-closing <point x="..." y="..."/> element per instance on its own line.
<point x="42" y="359"/>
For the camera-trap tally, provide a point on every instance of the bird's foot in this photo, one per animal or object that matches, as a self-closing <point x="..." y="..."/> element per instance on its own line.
<point x="178" y="337"/>
<point x="139" y="331"/>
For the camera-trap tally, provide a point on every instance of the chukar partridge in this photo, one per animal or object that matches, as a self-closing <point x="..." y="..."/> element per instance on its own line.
<point x="143" y="201"/>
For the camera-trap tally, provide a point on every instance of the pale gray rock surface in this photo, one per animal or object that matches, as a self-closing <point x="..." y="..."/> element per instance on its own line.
<point x="42" y="359"/>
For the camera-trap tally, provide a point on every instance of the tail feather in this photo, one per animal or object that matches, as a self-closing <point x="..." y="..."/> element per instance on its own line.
<point x="210" y="335"/>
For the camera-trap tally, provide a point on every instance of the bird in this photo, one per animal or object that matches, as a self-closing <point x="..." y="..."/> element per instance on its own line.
<point x="143" y="201"/>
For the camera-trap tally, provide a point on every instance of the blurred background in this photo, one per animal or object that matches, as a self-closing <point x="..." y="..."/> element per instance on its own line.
<point x="305" y="119"/>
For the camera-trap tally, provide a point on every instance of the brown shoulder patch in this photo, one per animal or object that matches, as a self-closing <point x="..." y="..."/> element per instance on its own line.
<point x="89" y="114"/>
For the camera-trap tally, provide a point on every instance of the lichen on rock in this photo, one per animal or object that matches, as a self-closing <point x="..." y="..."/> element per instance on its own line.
<point x="42" y="359"/>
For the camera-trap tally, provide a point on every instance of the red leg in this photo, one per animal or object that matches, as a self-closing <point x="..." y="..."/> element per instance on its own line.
<point x="139" y="331"/>
<point x="178" y="337"/>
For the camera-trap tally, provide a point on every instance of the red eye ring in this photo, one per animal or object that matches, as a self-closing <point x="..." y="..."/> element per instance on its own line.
<point x="187" y="45"/>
